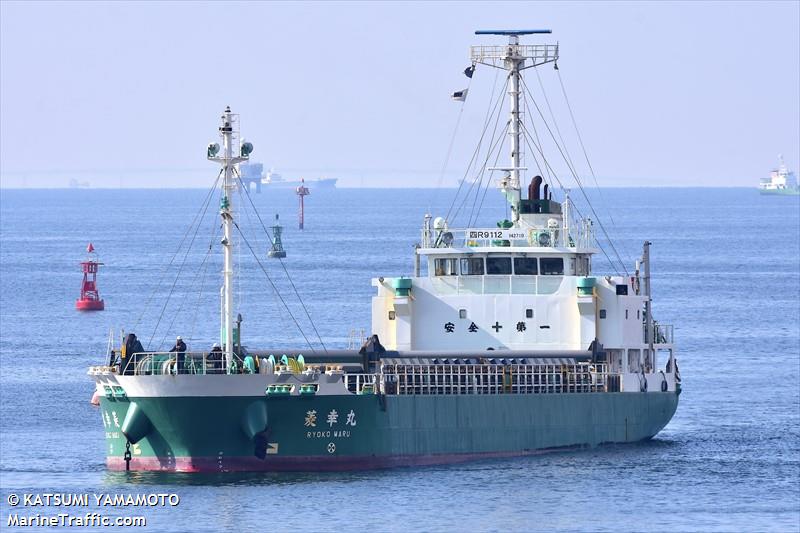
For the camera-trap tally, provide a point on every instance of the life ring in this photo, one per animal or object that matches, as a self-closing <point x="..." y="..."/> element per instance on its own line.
<point x="664" y="385"/>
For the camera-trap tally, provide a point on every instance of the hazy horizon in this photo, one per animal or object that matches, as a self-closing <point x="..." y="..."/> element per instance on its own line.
<point x="129" y="94"/>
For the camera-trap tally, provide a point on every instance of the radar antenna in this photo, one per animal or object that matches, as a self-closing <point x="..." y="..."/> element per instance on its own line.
<point x="514" y="57"/>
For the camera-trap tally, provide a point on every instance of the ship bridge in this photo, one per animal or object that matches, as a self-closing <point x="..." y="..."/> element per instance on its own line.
<point x="525" y="285"/>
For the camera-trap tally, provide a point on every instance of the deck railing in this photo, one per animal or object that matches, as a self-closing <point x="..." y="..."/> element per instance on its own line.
<point x="413" y="379"/>
<point x="579" y="236"/>
<point x="662" y="333"/>
<point x="538" y="54"/>
<point x="408" y="379"/>
<point x="361" y="383"/>
<point x="164" y="363"/>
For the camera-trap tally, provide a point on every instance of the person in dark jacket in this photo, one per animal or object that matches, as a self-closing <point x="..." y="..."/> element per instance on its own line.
<point x="127" y="361"/>
<point x="180" y="350"/>
<point x="215" y="360"/>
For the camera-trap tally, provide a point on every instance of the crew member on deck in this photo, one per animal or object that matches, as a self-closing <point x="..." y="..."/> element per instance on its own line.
<point x="215" y="359"/>
<point x="132" y="346"/>
<point x="180" y="350"/>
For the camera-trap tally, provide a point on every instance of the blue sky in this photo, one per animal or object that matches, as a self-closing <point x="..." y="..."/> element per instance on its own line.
<point x="129" y="94"/>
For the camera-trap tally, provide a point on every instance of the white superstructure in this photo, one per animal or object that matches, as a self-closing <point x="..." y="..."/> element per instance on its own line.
<point x="527" y="285"/>
<point x="780" y="180"/>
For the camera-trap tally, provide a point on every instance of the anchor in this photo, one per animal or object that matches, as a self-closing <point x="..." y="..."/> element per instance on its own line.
<point x="127" y="456"/>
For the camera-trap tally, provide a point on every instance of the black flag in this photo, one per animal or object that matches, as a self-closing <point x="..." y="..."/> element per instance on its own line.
<point x="459" y="96"/>
<point x="469" y="71"/>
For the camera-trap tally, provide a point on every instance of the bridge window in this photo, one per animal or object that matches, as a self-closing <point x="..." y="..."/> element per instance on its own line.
<point x="446" y="267"/>
<point x="525" y="266"/>
<point x="498" y="265"/>
<point x="472" y="266"/>
<point x="552" y="266"/>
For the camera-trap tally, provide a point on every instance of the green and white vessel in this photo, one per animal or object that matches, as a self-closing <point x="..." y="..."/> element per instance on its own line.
<point x="781" y="182"/>
<point x="503" y="343"/>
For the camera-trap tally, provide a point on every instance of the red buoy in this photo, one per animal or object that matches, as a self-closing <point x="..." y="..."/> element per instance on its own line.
<point x="302" y="191"/>
<point x="90" y="298"/>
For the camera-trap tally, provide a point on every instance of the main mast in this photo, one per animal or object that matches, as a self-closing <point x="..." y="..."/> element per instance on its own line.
<point x="513" y="58"/>
<point x="232" y="154"/>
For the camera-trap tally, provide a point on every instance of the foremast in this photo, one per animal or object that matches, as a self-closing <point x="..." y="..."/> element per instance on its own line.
<point x="514" y="58"/>
<point x="233" y="153"/>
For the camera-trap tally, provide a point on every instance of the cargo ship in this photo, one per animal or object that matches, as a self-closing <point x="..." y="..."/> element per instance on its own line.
<point x="276" y="181"/>
<point x="503" y="343"/>
<point x="254" y="173"/>
<point x="780" y="182"/>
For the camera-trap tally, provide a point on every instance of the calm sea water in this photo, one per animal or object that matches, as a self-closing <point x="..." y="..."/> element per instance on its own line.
<point x="726" y="273"/>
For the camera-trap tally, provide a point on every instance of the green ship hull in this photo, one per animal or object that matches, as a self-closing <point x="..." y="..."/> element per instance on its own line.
<point x="780" y="192"/>
<point x="333" y="432"/>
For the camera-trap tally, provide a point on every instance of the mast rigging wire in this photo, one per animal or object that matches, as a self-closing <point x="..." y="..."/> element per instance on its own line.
<point x="452" y="142"/>
<point x="180" y="245"/>
<point x="482" y="171"/>
<point x="574" y="207"/>
<point x="577" y="179"/>
<point x="285" y="270"/>
<point x="269" y="279"/>
<point x="250" y="224"/>
<point x="553" y="117"/>
<point x="493" y="145"/>
<point x="489" y="181"/>
<point x="545" y="173"/>
<point x="180" y="269"/>
<point x="490" y="112"/>
<point x="201" y="286"/>
<point x="588" y="163"/>
<point x="200" y="270"/>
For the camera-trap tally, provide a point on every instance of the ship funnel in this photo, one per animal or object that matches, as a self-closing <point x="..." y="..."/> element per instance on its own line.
<point x="544" y="195"/>
<point x="533" y="188"/>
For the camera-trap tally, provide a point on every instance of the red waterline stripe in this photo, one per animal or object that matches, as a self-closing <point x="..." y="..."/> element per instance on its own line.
<point x="332" y="463"/>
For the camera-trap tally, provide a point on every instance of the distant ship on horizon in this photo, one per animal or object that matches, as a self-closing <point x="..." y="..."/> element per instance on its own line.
<point x="780" y="181"/>
<point x="255" y="171"/>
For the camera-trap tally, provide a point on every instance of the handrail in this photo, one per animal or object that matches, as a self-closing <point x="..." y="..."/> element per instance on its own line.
<point x="411" y="379"/>
<point x="164" y="363"/>
<point x="662" y="333"/>
<point x="355" y="382"/>
<point x="579" y="236"/>
<point x="539" y="53"/>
